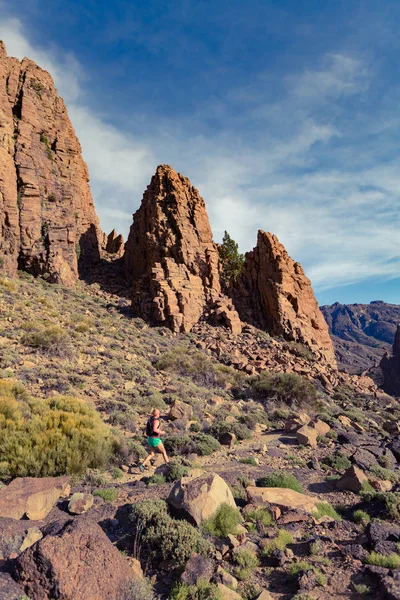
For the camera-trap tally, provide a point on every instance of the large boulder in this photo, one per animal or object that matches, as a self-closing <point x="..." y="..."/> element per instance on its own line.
<point x="78" y="563"/>
<point x="180" y="410"/>
<point x="31" y="497"/>
<point x="353" y="480"/>
<point x="199" y="494"/>
<point x="307" y="436"/>
<point x="283" y="497"/>
<point x="80" y="503"/>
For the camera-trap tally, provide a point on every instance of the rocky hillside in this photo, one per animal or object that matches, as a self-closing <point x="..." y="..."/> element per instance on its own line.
<point x="361" y="333"/>
<point x="48" y="224"/>
<point x="279" y="470"/>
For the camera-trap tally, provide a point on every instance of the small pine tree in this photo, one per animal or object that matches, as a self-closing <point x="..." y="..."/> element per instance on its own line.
<point x="231" y="260"/>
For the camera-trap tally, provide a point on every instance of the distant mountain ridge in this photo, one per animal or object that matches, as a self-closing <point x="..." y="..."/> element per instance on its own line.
<point x="361" y="333"/>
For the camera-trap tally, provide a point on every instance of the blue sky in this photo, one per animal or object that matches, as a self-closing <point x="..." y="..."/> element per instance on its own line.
<point x="284" y="114"/>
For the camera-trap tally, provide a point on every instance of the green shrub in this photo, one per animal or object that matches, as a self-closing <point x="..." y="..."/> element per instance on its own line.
<point x="223" y="522"/>
<point x="259" y="515"/>
<point x="204" y="444"/>
<point x="279" y="542"/>
<point x="164" y="537"/>
<point x="249" y="461"/>
<point x="325" y="510"/>
<point x="52" y="339"/>
<point x="384" y="474"/>
<point x="108" y="494"/>
<point x="176" y="443"/>
<point x="338" y="461"/>
<point x="247" y="561"/>
<point x="300" y="567"/>
<point x="140" y="589"/>
<point x="156" y="479"/>
<point x="361" y="517"/>
<point x="201" y="591"/>
<point x="361" y="588"/>
<point x="117" y="473"/>
<point x="176" y="469"/>
<point x="287" y="388"/>
<point x="390" y="499"/>
<point x="59" y="435"/>
<point x="392" y="561"/>
<point x="241" y="431"/>
<point x="280" y="479"/>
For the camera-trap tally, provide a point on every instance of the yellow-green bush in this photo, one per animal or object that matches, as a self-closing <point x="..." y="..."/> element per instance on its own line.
<point x="49" y="437"/>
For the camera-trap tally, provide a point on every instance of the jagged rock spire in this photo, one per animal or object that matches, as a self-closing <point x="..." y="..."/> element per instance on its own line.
<point x="171" y="259"/>
<point x="274" y="294"/>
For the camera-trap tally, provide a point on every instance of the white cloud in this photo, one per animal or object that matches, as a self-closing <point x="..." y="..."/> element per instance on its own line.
<point x="304" y="168"/>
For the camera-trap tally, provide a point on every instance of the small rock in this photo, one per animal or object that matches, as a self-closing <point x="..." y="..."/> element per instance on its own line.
<point x="80" y="503"/>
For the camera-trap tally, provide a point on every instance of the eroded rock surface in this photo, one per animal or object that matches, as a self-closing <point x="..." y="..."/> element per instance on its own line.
<point x="171" y="259"/>
<point x="80" y="562"/>
<point x="47" y="216"/>
<point x="31" y="497"/>
<point x="274" y="294"/>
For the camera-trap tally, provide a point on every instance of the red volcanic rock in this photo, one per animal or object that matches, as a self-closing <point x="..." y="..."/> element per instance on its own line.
<point x="171" y="259"/>
<point x="274" y="294"/>
<point x="115" y="244"/>
<point x="79" y="563"/>
<point x="47" y="216"/>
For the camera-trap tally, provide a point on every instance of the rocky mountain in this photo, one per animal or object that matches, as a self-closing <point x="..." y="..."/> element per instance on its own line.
<point x="274" y="294"/>
<point x="361" y="333"/>
<point x="48" y="223"/>
<point x="174" y="267"/>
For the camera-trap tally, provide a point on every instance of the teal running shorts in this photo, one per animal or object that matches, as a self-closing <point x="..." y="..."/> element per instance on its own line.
<point x="153" y="442"/>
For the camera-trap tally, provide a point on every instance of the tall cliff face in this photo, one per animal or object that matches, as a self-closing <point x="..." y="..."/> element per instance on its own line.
<point x="274" y="294"/>
<point x="171" y="259"/>
<point x="47" y="217"/>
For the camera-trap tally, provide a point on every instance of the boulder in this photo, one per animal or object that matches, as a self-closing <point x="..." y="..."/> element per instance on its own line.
<point x="321" y="427"/>
<point x="180" y="410"/>
<point x="363" y="458"/>
<point x="227" y="593"/>
<point x="353" y="480"/>
<point x="284" y="498"/>
<point x="78" y="563"/>
<point x="198" y="568"/>
<point x="31" y="497"/>
<point x="198" y="495"/>
<point x="344" y="420"/>
<point x="294" y="423"/>
<point x="307" y="436"/>
<point x="265" y="595"/>
<point x="80" y="503"/>
<point x="9" y="590"/>
<point x="227" y="439"/>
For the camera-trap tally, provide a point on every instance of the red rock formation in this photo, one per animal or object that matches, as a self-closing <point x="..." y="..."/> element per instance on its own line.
<point x="390" y="367"/>
<point x="47" y="216"/>
<point x="171" y="259"/>
<point x="274" y="294"/>
<point x="115" y="244"/>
